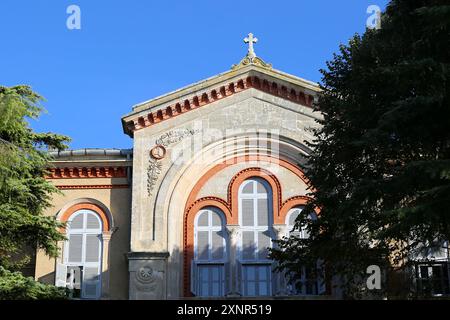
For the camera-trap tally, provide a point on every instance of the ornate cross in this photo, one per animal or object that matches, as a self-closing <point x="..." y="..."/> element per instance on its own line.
<point x="251" y="40"/>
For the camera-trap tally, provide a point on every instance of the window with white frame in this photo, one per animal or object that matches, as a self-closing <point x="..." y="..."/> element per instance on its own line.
<point x="255" y="220"/>
<point x="210" y="254"/>
<point x="83" y="253"/>
<point x="308" y="283"/>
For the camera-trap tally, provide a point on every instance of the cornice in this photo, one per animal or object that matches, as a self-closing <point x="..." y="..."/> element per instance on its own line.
<point x="86" y="172"/>
<point x="144" y="119"/>
<point x="94" y="186"/>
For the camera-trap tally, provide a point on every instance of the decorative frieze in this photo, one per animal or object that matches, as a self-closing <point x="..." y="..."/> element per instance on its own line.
<point x="86" y="172"/>
<point x="158" y="152"/>
<point x="94" y="186"/>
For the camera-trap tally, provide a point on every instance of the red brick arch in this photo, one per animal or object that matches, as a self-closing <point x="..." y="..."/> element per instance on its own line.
<point x="106" y="223"/>
<point x="230" y="205"/>
<point x="240" y="177"/>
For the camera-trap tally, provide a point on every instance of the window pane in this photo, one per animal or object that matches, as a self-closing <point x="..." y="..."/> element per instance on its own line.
<point x="217" y="245"/>
<point x="264" y="242"/>
<point x="91" y="274"/>
<point x="250" y="273"/>
<point x="247" y="212"/>
<point x="202" y="245"/>
<point x="262" y="273"/>
<point x="256" y="280"/>
<point x="293" y="217"/>
<point x="203" y="219"/>
<point x="204" y="292"/>
<point x="75" y="247"/>
<point x="210" y="280"/>
<point x="215" y="273"/>
<point x="263" y="212"/>
<point x="216" y="221"/>
<point x="92" y="222"/>
<point x="215" y="289"/>
<point x="77" y="222"/>
<point x="251" y="288"/>
<point x="263" y="288"/>
<point x="248" y="188"/>
<point x="204" y="273"/>
<point x="248" y="245"/>
<point x="260" y="188"/>
<point x="92" y="248"/>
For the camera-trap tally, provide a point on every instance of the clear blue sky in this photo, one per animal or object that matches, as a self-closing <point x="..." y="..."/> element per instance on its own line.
<point x="130" y="51"/>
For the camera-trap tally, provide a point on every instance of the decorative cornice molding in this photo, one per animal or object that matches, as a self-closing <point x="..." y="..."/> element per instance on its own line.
<point x="86" y="172"/>
<point x="200" y="100"/>
<point x="94" y="186"/>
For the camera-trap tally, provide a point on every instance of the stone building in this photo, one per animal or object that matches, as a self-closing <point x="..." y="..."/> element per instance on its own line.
<point x="215" y="174"/>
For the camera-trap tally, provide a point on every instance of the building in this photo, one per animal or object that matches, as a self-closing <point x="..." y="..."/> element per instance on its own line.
<point x="214" y="175"/>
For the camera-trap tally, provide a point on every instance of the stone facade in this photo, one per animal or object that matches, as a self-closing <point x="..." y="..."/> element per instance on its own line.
<point x="191" y="149"/>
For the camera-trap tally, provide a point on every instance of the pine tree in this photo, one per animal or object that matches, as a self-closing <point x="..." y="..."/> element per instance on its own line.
<point x="24" y="193"/>
<point x="381" y="165"/>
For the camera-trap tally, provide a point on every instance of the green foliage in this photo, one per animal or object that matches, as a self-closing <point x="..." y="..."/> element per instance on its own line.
<point x="24" y="192"/>
<point x="14" y="286"/>
<point x="381" y="166"/>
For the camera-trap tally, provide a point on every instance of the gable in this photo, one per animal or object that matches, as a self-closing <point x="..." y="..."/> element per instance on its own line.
<point x="223" y="86"/>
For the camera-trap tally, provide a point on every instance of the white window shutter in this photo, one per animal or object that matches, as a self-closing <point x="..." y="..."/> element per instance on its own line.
<point x="92" y="248"/>
<point x="194" y="277"/>
<point x="75" y="248"/>
<point x="247" y="214"/>
<point x="61" y="275"/>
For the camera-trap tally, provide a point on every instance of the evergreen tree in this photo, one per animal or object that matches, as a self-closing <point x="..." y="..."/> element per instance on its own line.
<point x="24" y="193"/>
<point x="381" y="165"/>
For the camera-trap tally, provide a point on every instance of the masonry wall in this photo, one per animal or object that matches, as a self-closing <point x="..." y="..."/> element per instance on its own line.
<point x="117" y="199"/>
<point x="158" y="215"/>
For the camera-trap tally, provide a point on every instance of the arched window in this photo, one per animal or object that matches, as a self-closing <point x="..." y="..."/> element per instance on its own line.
<point x="308" y="283"/>
<point x="291" y="217"/>
<point x="83" y="252"/>
<point x="210" y="253"/>
<point x="255" y="219"/>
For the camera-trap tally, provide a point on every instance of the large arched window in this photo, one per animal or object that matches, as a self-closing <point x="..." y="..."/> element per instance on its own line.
<point x="255" y="220"/>
<point x="308" y="283"/>
<point x="210" y="253"/>
<point x="83" y="252"/>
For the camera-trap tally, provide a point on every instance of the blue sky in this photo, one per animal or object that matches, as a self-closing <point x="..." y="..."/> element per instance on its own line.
<point x="127" y="52"/>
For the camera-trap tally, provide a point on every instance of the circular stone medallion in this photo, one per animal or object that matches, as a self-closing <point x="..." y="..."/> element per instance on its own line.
<point x="158" y="152"/>
<point x="145" y="274"/>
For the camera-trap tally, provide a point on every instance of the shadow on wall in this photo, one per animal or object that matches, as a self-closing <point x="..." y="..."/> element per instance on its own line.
<point x="120" y="243"/>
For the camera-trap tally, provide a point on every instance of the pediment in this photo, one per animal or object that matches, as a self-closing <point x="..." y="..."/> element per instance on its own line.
<point x="198" y="95"/>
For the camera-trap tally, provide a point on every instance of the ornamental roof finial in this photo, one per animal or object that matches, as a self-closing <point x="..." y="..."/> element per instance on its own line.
<point x="251" y="57"/>
<point x="251" y="40"/>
